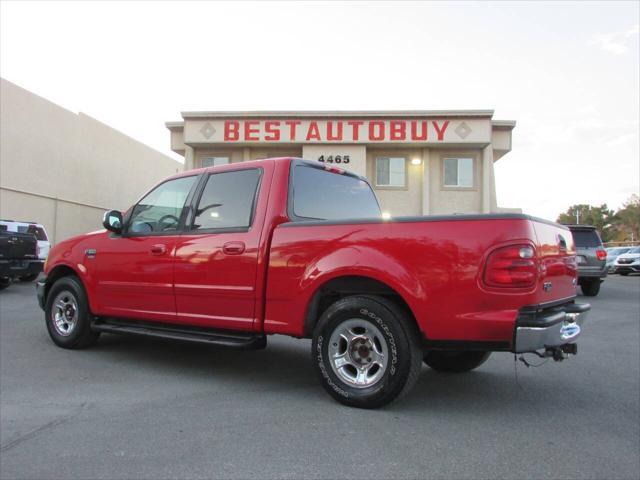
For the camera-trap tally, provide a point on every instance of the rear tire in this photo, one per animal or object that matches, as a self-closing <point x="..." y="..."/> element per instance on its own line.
<point x="366" y="351"/>
<point x="590" y="288"/>
<point x="67" y="314"/>
<point x="4" y="282"/>
<point x="455" y="361"/>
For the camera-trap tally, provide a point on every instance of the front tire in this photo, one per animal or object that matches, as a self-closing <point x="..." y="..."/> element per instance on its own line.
<point x="590" y="288"/>
<point x="455" y="361"/>
<point x="366" y="351"/>
<point x="67" y="315"/>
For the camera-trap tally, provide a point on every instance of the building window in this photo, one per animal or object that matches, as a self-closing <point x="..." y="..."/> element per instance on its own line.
<point x="458" y="172"/>
<point x="214" y="161"/>
<point x="390" y="172"/>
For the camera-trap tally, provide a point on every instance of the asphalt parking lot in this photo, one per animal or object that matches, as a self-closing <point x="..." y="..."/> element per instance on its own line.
<point x="141" y="408"/>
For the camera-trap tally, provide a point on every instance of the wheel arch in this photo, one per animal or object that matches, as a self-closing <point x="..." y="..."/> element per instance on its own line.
<point x="58" y="272"/>
<point x="348" y="285"/>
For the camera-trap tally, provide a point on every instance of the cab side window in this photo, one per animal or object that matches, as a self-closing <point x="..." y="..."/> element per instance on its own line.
<point x="228" y="200"/>
<point x="160" y="210"/>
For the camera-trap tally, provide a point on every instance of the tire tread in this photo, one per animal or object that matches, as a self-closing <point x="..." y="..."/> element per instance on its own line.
<point x="411" y="335"/>
<point x="87" y="337"/>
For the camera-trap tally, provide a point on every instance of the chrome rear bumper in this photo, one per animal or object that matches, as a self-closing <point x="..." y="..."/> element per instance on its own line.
<point x="552" y="328"/>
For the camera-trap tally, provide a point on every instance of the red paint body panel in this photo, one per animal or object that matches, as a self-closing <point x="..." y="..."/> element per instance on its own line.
<point x="215" y="274"/>
<point x="131" y="280"/>
<point x="436" y="266"/>
<point x="213" y="288"/>
<point x="265" y="278"/>
<point x="558" y="267"/>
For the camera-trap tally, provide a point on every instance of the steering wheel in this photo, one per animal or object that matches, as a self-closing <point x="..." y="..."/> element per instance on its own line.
<point x="163" y="226"/>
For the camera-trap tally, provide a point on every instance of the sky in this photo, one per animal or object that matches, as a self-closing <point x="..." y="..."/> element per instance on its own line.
<point x="568" y="73"/>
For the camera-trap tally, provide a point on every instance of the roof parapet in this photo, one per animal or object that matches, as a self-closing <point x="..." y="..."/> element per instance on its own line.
<point x="338" y="113"/>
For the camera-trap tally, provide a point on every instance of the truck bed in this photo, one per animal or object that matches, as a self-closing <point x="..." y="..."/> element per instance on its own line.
<point x="435" y="264"/>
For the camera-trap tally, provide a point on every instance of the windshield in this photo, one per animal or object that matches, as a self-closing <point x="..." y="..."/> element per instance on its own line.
<point x="634" y="250"/>
<point x="324" y="195"/>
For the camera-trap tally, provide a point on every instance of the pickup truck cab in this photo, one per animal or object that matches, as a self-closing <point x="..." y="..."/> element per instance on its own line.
<point x="231" y="254"/>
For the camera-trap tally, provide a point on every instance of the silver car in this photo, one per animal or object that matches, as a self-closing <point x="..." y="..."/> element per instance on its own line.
<point x="612" y="254"/>
<point x="628" y="262"/>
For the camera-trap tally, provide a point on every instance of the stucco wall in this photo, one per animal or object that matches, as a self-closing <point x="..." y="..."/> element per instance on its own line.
<point x="58" y="166"/>
<point x="357" y="155"/>
<point x="398" y="201"/>
<point x="445" y="200"/>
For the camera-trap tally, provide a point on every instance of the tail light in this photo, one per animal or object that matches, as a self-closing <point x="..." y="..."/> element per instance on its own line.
<point x="514" y="266"/>
<point x="37" y="251"/>
<point x="601" y="254"/>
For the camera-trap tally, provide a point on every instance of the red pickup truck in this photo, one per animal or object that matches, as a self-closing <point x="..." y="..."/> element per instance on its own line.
<point x="232" y="254"/>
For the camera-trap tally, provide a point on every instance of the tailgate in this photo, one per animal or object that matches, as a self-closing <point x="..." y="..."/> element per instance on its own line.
<point x="17" y="246"/>
<point x="557" y="256"/>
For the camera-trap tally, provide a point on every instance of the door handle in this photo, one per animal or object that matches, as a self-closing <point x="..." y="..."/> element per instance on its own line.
<point x="233" y="248"/>
<point x="158" y="249"/>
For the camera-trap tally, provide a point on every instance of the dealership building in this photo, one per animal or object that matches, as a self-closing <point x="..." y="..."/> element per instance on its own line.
<point x="418" y="162"/>
<point x="64" y="169"/>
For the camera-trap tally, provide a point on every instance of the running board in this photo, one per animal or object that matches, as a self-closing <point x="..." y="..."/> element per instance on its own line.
<point x="240" y="340"/>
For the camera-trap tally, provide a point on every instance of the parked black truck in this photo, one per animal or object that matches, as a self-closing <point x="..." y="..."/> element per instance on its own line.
<point x="18" y="256"/>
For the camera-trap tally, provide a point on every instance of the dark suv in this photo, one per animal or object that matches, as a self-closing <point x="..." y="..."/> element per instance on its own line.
<point x="591" y="256"/>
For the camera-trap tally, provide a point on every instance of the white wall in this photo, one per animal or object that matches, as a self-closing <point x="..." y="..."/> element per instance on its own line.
<point x="63" y="169"/>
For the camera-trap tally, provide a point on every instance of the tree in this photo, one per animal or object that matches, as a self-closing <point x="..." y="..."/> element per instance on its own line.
<point x="627" y="221"/>
<point x="600" y="217"/>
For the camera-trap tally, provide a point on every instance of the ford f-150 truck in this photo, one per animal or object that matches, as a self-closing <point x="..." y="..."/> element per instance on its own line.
<point x="231" y="254"/>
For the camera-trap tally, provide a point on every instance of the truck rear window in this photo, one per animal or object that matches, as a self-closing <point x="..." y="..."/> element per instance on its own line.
<point x="323" y="195"/>
<point x="37" y="231"/>
<point x="586" y="238"/>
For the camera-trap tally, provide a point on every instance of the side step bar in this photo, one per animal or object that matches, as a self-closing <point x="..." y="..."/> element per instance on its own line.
<point x="240" y="340"/>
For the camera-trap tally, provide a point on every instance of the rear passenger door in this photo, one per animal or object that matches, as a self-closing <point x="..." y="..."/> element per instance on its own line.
<point x="217" y="256"/>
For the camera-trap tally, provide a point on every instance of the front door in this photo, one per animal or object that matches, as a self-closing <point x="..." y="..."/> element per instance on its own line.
<point x="217" y="257"/>
<point x="135" y="269"/>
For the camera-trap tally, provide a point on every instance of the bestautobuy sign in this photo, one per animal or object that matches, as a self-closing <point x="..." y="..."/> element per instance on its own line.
<point x="277" y="130"/>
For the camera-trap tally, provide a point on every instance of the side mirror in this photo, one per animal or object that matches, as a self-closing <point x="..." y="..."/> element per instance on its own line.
<point x="112" y="221"/>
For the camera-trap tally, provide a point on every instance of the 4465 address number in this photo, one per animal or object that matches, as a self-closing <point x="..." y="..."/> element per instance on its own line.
<point x="334" y="158"/>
